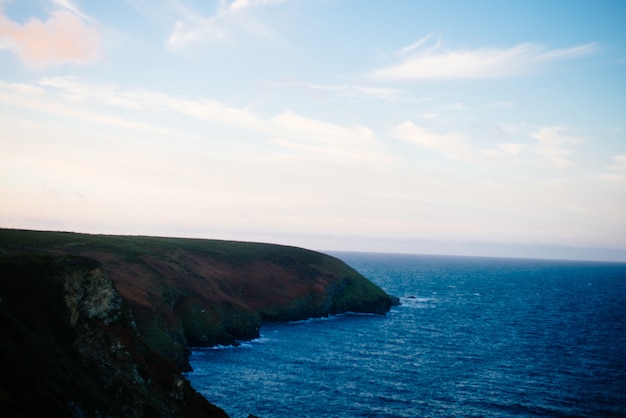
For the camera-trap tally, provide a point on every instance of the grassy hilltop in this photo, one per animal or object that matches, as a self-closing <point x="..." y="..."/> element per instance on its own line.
<point x="177" y="292"/>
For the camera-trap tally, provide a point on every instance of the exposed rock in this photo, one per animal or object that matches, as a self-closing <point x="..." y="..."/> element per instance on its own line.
<point x="93" y="295"/>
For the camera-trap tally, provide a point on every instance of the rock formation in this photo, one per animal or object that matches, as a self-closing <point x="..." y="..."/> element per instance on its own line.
<point x="70" y="347"/>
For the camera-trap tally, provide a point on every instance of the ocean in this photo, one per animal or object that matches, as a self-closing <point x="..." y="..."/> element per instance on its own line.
<point x="481" y="337"/>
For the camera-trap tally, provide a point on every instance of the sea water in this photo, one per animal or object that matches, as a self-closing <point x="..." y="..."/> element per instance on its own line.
<point x="472" y="337"/>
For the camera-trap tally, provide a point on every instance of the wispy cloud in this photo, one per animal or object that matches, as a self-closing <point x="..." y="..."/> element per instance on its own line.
<point x="435" y="62"/>
<point x="64" y="37"/>
<point x="420" y="42"/>
<point x="190" y="28"/>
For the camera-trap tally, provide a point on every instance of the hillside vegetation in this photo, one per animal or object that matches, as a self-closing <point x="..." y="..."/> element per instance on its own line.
<point x="169" y="293"/>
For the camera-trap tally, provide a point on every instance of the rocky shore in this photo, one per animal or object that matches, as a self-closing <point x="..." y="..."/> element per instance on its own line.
<point x="96" y="325"/>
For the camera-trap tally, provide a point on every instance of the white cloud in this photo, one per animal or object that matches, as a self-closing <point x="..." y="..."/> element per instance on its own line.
<point x="437" y="63"/>
<point x="452" y="144"/>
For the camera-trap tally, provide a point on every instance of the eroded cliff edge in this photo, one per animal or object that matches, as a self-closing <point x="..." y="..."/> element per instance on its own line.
<point x="188" y="292"/>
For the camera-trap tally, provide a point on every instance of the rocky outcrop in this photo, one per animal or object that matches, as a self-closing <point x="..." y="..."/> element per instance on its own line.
<point x="70" y="347"/>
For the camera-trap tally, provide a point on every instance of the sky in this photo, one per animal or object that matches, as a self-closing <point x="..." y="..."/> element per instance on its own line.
<point x="494" y="128"/>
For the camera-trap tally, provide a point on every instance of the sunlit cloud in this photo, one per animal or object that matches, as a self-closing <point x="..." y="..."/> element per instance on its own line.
<point x="62" y="38"/>
<point x="435" y="62"/>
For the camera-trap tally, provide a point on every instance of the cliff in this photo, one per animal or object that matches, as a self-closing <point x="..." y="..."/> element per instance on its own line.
<point x="70" y="347"/>
<point x="156" y="298"/>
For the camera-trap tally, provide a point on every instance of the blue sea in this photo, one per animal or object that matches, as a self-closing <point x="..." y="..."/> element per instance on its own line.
<point x="481" y="337"/>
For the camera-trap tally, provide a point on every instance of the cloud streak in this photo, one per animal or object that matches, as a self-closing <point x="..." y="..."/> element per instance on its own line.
<point x="63" y="38"/>
<point x="436" y="63"/>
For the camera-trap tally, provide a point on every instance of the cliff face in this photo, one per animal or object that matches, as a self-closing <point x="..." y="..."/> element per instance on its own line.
<point x="70" y="347"/>
<point x="186" y="292"/>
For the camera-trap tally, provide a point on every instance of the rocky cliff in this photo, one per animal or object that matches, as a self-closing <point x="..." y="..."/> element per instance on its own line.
<point x="70" y="347"/>
<point x="152" y="298"/>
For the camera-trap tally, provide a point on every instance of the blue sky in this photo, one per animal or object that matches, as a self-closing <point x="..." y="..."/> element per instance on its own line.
<point x="452" y="127"/>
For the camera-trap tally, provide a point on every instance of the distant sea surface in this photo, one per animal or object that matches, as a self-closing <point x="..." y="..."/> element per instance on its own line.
<point x="473" y="337"/>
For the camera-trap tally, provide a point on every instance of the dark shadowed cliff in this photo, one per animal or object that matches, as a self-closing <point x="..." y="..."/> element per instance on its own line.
<point x="70" y="348"/>
<point x="126" y="309"/>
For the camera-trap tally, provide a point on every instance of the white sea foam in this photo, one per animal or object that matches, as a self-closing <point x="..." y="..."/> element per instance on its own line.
<point x="417" y="302"/>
